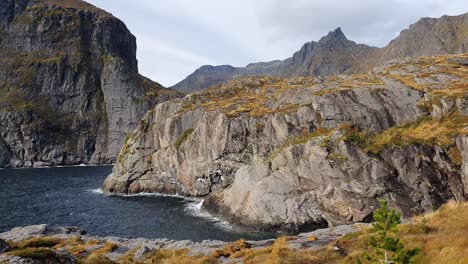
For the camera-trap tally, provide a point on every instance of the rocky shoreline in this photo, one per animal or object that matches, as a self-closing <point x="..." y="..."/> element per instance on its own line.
<point x="138" y="247"/>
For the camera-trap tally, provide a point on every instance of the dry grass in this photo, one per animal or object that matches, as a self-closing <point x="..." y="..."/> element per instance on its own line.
<point x="281" y="253"/>
<point x="341" y="83"/>
<point x="179" y="256"/>
<point x="248" y="95"/>
<point x="41" y="253"/>
<point x="302" y="138"/>
<point x="78" y="5"/>
<point x="426" y="70"/>
<point x="36" y="242"/>
<point x="427" y="131"/>
<point x="441" y="236"/>
<point x="231" y="249"/>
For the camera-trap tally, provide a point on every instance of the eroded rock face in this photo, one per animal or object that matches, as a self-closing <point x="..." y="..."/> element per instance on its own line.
<point x="219" y="145"/>
<point x="69" y="83"/>
<point x="284" y="154"/>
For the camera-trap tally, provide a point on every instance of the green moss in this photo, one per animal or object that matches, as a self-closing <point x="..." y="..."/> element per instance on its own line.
<point x="187" y="133"/>
<point x="24" y="19"/>
<point x="338" y="157"/>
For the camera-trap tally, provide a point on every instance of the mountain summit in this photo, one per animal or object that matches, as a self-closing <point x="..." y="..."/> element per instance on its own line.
<point x="335" y="54"/>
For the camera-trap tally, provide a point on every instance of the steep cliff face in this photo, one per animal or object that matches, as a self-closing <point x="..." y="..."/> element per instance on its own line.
<point x="295" y="153"/>
<point x="335" y="54"/>
<point x="69" y="83"/>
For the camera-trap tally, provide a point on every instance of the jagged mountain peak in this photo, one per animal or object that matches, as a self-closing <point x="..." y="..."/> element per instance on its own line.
<point x="336" y="54"/>
<point x="335" y="35"/>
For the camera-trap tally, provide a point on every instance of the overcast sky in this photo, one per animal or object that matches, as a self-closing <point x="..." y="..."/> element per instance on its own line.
<point x="175" y="37"/>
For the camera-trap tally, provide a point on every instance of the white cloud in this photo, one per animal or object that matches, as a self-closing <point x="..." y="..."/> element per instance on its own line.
<point x="178" y="36"/>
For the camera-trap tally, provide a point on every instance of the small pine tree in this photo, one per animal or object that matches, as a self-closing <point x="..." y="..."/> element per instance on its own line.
<point x="386" y="247"/>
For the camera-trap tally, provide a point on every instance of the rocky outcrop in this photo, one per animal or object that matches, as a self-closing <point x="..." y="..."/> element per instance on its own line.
<point x="69" y="83"/>
<point x="136" y="249"/>
<point x="3" y="246"/>
<point x="303" y="153"/>
<point x="335" y="54"/>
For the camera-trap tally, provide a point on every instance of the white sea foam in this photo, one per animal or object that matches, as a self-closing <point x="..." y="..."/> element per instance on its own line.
<point x="97" y="191"/>
<point x="194" y="207"/>
<point x="64" y="166"/>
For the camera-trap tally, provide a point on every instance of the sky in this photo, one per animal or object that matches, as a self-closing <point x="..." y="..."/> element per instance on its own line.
<point x="175" y="37"/>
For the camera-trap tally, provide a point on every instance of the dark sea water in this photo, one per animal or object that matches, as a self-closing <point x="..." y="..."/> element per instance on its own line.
<point x="71" y="197"/>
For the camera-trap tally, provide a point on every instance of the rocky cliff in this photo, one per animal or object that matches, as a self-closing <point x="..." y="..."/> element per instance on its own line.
<point x="307" y="152"/>
<point x="335" y="54"/>
<point x="69" y="83"/>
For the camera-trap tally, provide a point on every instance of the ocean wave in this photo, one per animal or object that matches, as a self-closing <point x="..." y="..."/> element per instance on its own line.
<point x="144" y="194"/>
<point x="195" y="209"/>
<point x="96" y="191"/>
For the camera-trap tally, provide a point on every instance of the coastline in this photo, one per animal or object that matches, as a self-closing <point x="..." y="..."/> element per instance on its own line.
<point x="60" y="166"/>
<point x="138" y="247"/>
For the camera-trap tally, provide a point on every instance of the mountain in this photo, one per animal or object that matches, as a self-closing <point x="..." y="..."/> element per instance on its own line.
<point x="302" y="153"/>
<point x="70" y="85"/>
<point x="335" y="54"/>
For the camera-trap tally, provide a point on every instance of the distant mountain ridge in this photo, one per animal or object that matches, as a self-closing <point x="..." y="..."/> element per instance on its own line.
<point x="335" y="54"/>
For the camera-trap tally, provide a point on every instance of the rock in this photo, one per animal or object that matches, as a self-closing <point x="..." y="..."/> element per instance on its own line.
<point x="64" y="257"/>
<point x="73" y="230"/>
<point x="22" y="233"/>
<point x="334" y="54"/>
<point x="140" y="253"/>
<point x="18" y="260"/>
<point x="269" y="154"/>
<point x="70" y="86"/>
<point x="3" y="246"/>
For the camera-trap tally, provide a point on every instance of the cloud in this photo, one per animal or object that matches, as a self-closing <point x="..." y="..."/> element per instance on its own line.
<point x="176" y="37"/>
<point x="367" y="21"/>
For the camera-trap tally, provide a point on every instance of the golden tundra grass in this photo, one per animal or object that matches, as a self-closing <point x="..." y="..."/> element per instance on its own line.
<point x="440" y="235"/>
<point x="427" y="131"/>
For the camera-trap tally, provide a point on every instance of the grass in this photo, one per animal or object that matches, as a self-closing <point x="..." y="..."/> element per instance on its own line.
<point x="440" y="235"/>
<point x="231" y="249"/>
<point x="342" y="83"/>
<point x="186" y="135"/>
<point x="75" y="4"/>
<point x="302" y="138"/>
<point x="42" y="248"/>
<point x="33" y="253"/>
<point x="180" y="256"/>
<point x="281" y="253"/>
<point x="37" y="242"/>
<point x="259" y="96"/>
<point x="249" y="95"/>
<point x="425" y="131"/>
